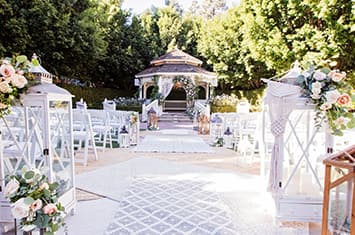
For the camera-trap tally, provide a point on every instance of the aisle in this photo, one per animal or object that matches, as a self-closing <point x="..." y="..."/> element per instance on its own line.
<point x="173" y="141"/>
<point x="153" y="196"/>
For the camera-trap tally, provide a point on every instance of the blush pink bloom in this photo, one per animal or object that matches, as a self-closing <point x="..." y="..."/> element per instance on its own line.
<point x="7" y="70"/>
<point x="50" y="209"/>
<point x="336" y="76"/>
<point x="36" y="205"/>
<point x="18" y="80"/>
<point x="344" y="100"/>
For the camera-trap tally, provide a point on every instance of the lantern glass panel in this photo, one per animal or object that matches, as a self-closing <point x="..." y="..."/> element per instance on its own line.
<point x="60" y="142"/>
<point x="339" y="215"/>
<point x="304" y="150"/>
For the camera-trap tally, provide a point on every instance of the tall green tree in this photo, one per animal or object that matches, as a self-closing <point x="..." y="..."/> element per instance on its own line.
<point x="222" y="44"/>
<point x="280" y="32"/>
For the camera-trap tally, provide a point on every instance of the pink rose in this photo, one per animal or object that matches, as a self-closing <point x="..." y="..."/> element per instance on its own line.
<point x="36" y="205"/>
<point x="336" y="76"/>
<point x="50" y="209"/>
<point x="344" y="100"/>
<point x="6" y="70"/>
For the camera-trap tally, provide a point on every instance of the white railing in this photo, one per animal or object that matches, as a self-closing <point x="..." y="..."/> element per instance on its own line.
<point x="153" y="105"/>
<point x="201" y="107"/>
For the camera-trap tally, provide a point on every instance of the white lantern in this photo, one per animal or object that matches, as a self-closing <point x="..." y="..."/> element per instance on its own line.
<point x="296" y="169"/>
<point x="46" y="144"/>
<point x="228" y="138"/>
<point x="134" y="129"/>
<point x="216" y="128"/>
<point x="124" y="138"/>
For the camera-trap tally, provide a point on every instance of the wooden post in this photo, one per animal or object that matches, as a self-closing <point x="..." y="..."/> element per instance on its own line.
<point x="352" y="226"/>
<point x="327" y="182"/>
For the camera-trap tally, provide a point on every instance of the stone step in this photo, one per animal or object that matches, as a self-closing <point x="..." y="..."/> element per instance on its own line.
<point x="175" y="117"/>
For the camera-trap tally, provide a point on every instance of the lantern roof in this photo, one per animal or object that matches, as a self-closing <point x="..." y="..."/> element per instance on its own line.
<point x="48" y="88"/>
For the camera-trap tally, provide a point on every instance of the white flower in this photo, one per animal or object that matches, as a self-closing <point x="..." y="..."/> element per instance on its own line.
<point x="332" y="96"/>
<point x="18" y="80"/>
<point x="316" y="96"/>
<point x="325" y="106"/>
<point x="5" y="87"/>
<point x="336" y="76"/>
<point x="319" y="76"/>
<point x="341" y="121"/>
<point x="3" y="106"/>
<point x="11" y="187"/>
<point x="20" y="209"/>
<point x="28" y="227"/>
<point x="317" y="86"/>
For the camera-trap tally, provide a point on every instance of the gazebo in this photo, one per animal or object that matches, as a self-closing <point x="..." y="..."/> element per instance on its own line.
<point x="176" y="69"/>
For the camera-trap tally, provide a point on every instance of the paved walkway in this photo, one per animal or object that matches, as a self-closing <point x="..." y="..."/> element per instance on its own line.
<point x="173" y="193"/>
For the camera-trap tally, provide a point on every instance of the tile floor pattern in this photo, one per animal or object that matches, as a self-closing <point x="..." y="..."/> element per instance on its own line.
<point x="172" y="207"/>
<point x="166" y="143"/>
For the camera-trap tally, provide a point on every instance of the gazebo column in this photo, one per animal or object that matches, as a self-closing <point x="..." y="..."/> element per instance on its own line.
<point x="207" y="90"/>
<point x="140" y="91"/>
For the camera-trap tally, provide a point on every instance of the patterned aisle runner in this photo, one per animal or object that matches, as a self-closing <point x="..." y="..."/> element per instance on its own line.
<point x="172" y="207"/>
<point x="174" y="144"/>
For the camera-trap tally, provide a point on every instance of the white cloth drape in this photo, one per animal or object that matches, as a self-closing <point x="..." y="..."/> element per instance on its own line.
<point x="165" y="86"/>
<point x="281" y="99"/>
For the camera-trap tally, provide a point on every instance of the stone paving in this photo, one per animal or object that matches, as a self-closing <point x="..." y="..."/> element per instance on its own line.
<point x="158" y="206"/>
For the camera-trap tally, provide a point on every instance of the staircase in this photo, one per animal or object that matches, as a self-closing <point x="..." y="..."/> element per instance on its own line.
<point x="174" y="117"/>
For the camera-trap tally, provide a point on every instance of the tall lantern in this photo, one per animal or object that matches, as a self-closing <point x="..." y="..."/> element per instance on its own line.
<point x="296" y="170"/>
<point x="47" y="140"/>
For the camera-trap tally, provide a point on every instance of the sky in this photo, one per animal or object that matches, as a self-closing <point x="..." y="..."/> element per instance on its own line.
<point x="138" y="6"/>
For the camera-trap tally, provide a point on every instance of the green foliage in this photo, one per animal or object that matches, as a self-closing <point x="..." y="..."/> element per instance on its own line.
<point x="94" y="96"/>
<point x="221" y="42"/>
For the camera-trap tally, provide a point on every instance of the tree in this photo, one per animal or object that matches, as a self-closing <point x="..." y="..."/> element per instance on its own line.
<point x="222" y="44"/>
<point x="280" y="32"/>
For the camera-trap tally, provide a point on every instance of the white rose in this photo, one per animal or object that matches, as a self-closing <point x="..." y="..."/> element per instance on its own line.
<point x="18" y="80"/>
<point x="325" y="106"/>
<point x="3" y="106"/>
<point x="332" y="96"/>
<point x="5" y="87"/>
<point x="319" y="76"/>
<point x="19" y="209"/>
<point x="316" y="96"/>
<point x="11" y="187"/>
<point x="336" y="76"/>
<point x="316" y="85"/>
<point x="28" y="227"/>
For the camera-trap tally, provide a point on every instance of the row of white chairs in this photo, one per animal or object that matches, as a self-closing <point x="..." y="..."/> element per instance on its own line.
<point x="22" y="142"/>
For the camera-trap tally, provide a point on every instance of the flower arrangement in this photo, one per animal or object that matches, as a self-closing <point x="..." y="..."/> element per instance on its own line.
<point x="34" y="201"/>
<point x="330" y="92"/>
<point x="187" y="84"/>
<point x="13" y="73"/>
<point x="133" y="118"/>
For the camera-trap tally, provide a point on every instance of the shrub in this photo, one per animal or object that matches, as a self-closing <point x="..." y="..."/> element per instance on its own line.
<point x="224" y="103"/>
<point x="94" y="96"/>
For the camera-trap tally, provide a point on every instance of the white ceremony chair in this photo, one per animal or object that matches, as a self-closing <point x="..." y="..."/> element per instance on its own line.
<point x="83" y="135"/>
<point x="248" y="135"/>
<point x="101" y="126"/>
